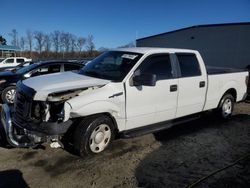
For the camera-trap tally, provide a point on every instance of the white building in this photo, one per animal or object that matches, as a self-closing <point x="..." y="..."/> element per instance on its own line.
<point x="8" y="51"/>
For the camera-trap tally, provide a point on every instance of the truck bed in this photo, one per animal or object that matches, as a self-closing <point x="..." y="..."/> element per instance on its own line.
<point x="211" y="70"/>
<point x="219" y="80"/>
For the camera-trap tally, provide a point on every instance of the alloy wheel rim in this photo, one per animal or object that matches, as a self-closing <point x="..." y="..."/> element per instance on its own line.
<point x="10" y="95"/>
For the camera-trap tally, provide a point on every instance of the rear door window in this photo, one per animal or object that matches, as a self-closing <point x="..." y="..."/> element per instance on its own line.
<point x="189" y="65"/>
<point x="54" y="68"/>
<point x="70" y="67"/>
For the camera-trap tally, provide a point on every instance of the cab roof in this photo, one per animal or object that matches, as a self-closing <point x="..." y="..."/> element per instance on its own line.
<point x="146" y="50"/>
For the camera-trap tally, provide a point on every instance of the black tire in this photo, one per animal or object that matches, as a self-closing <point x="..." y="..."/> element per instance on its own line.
<point x="226" y="106"/>
<point x="97" y="126"/>
<point x="5" y="92"/>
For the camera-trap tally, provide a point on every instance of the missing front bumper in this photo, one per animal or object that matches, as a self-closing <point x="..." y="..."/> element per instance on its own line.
<point x="18" y="136"/>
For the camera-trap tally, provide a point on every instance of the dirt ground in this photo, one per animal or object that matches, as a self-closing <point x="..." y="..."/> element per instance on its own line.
<point x="176" y="157"/>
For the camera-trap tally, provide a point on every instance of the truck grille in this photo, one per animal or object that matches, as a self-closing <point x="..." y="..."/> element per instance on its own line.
<point x="22" y="108"/>
<point x="22" y="105"/>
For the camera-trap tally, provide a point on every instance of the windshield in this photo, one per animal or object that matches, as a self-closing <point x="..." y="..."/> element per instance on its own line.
<point x="112" y="65"/>
<point x="21" y="65"/>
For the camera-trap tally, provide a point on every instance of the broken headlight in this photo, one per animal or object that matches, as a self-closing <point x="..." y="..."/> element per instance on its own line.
<point x="38" y="110"/>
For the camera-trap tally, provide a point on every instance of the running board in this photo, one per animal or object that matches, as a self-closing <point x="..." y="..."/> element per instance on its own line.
<point x="157" y="127"/>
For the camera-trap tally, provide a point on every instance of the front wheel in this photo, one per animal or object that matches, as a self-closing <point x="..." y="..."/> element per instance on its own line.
<point x="93" y="135"/>
<point x="226" y="106"/>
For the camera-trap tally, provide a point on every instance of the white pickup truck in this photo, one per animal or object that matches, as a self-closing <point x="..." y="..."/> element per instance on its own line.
<point x="123" y="92"/>
<point x="13" y="61"/>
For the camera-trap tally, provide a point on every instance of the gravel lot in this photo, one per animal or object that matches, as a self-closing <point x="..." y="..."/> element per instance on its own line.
<point x="176" y="157"/>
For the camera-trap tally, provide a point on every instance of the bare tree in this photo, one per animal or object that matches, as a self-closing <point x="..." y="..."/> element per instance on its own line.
<point x="66" y="41"/>
<point x="90" y="46"/>
<point x="80" y="43"/>
<point x="73" y="39"/>
<point x="56" y="40"/>
<point x="129" y="45"/>
<point x="103" y="49"/>
<point x="22" y="43"/>
<point x="62" y="43"/>
<point x="14" y="35"/>
<point x="47" y="42"/>
<point x="29" y="37"/>
<point x="39" y="36"/>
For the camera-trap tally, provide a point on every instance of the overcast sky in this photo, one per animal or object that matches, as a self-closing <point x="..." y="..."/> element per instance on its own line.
<point x="118" y="22"/>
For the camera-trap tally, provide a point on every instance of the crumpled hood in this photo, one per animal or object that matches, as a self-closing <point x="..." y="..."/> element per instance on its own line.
<point x="57" y="82"/>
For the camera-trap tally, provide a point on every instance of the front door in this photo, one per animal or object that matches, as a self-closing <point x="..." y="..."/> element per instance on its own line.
<point x="146" y="105"/>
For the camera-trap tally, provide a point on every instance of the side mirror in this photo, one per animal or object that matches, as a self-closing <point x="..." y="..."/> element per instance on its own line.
<point x="144" y="79"/>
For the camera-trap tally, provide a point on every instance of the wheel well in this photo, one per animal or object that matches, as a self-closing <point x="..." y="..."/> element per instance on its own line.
<point x="116" y="130"/>
<point x="69" y="134"/>
<point x="114" y="122"/>
<point x="77" y="120"/>
<point x="233" y="92"/>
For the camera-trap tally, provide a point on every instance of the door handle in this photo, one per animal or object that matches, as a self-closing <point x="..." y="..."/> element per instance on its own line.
<point x="202" y="84"/>
<point x="173" y="88"/>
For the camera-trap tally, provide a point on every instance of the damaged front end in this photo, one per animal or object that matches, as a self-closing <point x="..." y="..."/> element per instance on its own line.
<point x="32" y="122"/>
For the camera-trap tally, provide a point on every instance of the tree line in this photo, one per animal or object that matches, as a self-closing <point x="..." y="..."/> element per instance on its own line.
<point x="56" y="44"/>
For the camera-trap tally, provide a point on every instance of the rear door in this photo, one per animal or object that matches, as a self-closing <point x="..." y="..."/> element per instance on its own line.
<point x="192" y="85"/>
<point x="150" y="104"/>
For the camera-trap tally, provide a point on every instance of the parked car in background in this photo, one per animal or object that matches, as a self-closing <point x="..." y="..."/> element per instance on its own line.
<point x="13" y="61"/>
<point x="8" y="79"/>
<point x="24" y="64"/>
<point x="123" y="92"/>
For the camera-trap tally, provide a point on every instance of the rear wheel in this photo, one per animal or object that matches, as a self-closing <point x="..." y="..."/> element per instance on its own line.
<point x="226" y="106"/>
<point x="93" y="135"/>
<point x="8" y="94"/>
